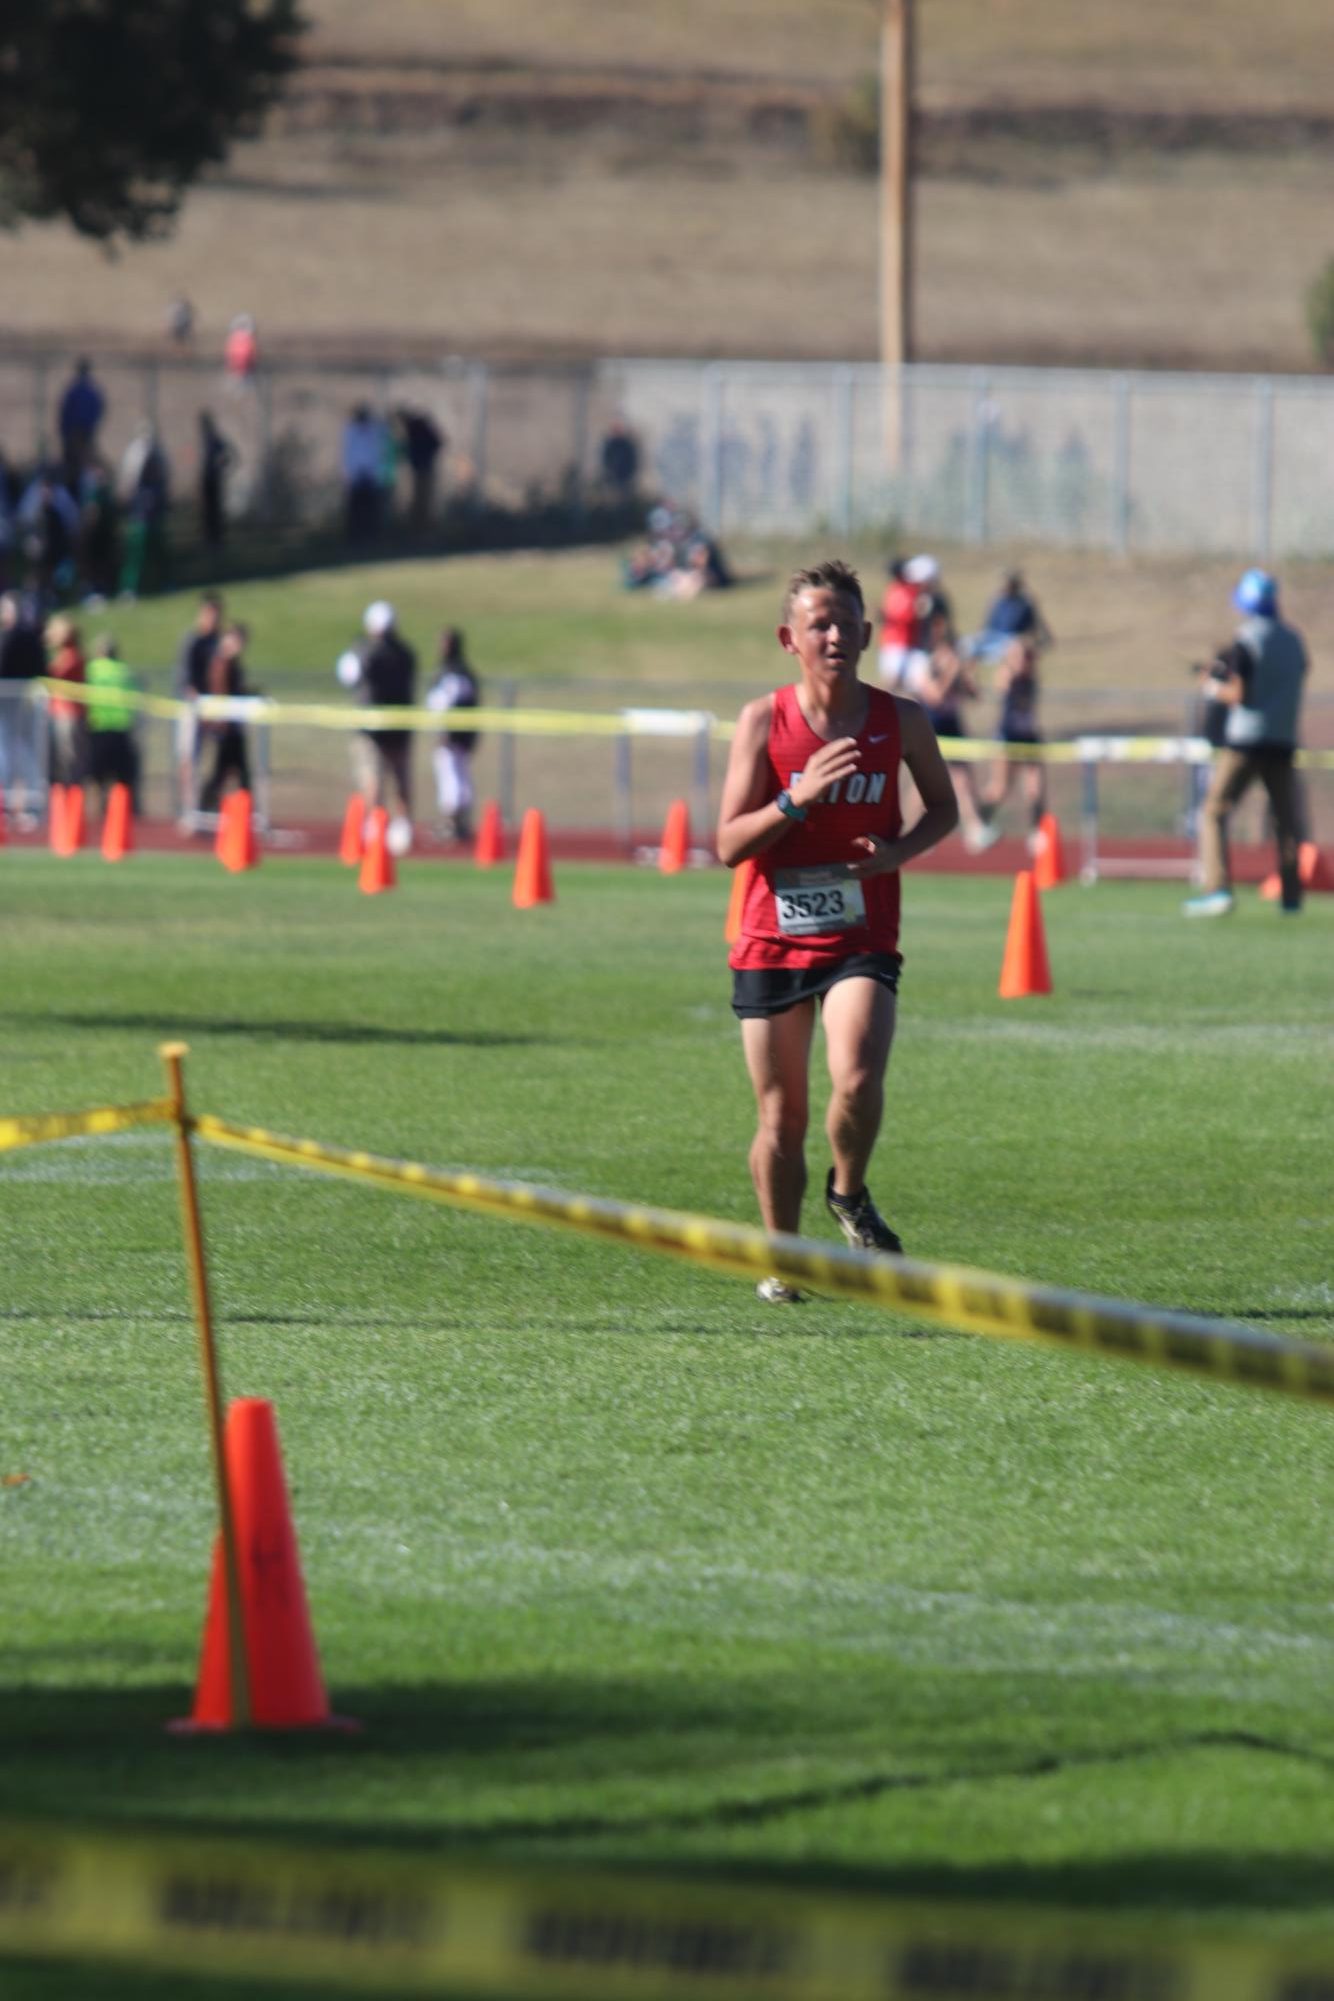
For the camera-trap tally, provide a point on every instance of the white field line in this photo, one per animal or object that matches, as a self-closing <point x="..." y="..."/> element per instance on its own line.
<point x="99" y="1160"/>
<point x="968" y="1631"/>
<point x="1293" y="1039"/>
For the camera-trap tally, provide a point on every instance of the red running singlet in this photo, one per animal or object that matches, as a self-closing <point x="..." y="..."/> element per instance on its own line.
<point x="798" y="910"/>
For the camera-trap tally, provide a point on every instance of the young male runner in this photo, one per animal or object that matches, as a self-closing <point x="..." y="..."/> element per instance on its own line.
<point x="811" y="797"/>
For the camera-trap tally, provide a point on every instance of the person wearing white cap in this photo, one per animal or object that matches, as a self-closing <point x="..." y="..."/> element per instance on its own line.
<point x="904" y="611"/>
<point x="383" y="671"/>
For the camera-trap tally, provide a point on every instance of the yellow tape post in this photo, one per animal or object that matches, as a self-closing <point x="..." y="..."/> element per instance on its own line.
<point x="102" y="1119"/>
<point x="412" y="1924"/>
<point x="977" y="1302"/>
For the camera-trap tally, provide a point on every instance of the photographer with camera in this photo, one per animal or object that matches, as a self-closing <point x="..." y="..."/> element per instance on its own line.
<point x="1257" y="684"/>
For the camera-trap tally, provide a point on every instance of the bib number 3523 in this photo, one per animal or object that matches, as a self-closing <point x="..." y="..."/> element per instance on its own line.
<point x="814" y="901"/>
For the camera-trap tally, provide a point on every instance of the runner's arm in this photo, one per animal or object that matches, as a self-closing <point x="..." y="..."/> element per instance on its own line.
<point x="940" y="808"/>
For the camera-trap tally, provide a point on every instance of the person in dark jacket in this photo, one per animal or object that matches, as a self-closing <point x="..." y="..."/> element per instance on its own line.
<point x="231" y="760"/>
<point x="455" y="688"/>
<point x="216" y="457"/>
<point x="423" y="442"/>
<point x="383" y="670"/>
<point x="1258" y="680"/>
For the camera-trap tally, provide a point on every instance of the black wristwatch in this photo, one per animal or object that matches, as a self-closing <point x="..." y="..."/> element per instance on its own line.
<point x="788" y="806"/>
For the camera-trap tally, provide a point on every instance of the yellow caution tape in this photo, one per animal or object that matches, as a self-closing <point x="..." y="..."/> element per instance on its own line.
<point x="32" y="1131"/>
<point x="260" y="709"/>
<point x="681" y="723"/>
<point x="976" y="1301"/>
<point x="417" y="1925"/>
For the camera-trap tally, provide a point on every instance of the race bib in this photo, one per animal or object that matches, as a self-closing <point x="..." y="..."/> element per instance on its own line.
<point x="814" y="901"/>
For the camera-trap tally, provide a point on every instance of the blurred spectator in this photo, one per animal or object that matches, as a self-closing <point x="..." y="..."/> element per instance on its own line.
<point x="9" y="534"/>
<point x="1017" y="686"/>
<point x="700" y="566"/>
<point x="938" y="676"/>
<point x="363" y="473"/>
<point x="423" y="442"/>
<point x="620" y="460"/>
<point x="648" y="564"/>
<point x="216" y="455"/>
<point x="82" y="408"/>
<point x="193" y="662"/>
<point x="383" y="670"/>
<point x="48" y="518"/>
<point x="240" y="352"/>
<point x="180" y="321"/>
<point x="1259" y="680"/>
<point x="145" y="494"/>
<point x="113" y="754"/>
<point x="455" y="687"/>
<point x="1014" y="614"/>
<point x="65" y="662"/>
<point x="99" y="534"/>
<point x="678" y="560"/>
<point x="227" y="739"/>
<point x="902" y="610"/>
<point x="22" y="660"/>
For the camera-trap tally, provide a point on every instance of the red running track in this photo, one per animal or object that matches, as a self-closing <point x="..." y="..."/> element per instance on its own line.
<point x="1150" y="857"/>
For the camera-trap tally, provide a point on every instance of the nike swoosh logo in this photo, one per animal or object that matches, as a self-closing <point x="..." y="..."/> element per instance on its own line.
<point x="878" y="739"/>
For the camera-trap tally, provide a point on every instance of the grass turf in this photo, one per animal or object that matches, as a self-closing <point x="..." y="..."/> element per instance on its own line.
<point x="614" y="1563"/>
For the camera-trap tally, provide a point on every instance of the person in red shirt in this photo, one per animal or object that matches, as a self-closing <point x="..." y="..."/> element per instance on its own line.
<point x="68" y="719"/>
<point x="900" y="624"/>
<point x="811" y="797"/>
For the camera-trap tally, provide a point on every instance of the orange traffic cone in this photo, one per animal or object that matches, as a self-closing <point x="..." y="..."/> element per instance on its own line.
<point x="1025" y="969"/>
<point x="236" y="846"/>
<point x="490" y="847"/>
<point x="1314" y="872"/>
<point x="67" y="819"/>
<point x="74" y="819"/>
<point x="117" y="827"/>
<point x="674" y="853"/>
<point x="532" y="870"/>
<point x="286" y="1686"/>
<point x="1049" y="856"/>
<point x="55" y="819"/>
<point x="377" y="864"/>
<point x="741" y="876"/>
<point x="351" y="845"/>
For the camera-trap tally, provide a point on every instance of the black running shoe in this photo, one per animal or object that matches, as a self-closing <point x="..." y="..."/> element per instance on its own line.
<point x="860" y="1221"/>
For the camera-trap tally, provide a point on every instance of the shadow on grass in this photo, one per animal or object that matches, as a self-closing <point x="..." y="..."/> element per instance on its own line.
<point x="350" y="1032"/>
<point x="104" y="1757"/>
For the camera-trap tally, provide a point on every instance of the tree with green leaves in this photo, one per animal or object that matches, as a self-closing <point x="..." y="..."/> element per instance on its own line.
<point x="111" y="109"/>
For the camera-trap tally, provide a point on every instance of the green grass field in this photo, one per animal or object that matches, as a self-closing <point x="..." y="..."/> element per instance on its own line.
<point x="615" y="1564"/>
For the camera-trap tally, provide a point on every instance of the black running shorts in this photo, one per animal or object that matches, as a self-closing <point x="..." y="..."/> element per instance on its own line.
<point x="758" y="992"/>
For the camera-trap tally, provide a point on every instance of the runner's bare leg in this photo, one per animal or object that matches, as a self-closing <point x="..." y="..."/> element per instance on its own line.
<point x="778" y="1052"/>
<point x="859" y="1019"/>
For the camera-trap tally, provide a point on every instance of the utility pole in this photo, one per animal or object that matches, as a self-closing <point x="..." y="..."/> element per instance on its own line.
<point x="896" y="203"/>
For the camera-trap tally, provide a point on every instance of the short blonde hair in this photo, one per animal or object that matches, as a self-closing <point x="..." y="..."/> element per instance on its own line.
<point x="832" y="575"/>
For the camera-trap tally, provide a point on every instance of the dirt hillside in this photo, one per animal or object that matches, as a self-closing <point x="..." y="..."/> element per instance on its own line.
<point x="498" y="180"/>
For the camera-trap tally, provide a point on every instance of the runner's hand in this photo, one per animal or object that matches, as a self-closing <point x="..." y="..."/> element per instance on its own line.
<point x="831" y="762"/>
<point x="877" y="859"/>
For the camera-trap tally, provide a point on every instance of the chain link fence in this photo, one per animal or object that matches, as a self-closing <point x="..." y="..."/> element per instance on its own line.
<point x="1118" y="461"/>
